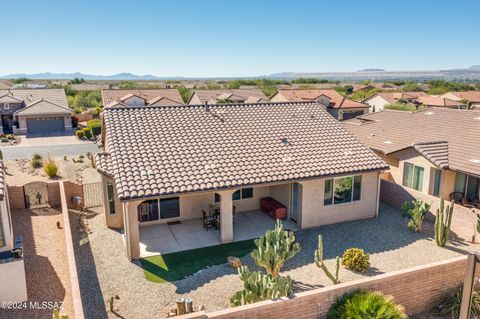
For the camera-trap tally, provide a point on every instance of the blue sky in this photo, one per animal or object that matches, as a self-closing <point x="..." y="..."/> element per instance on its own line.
<point x="237" y="38"/>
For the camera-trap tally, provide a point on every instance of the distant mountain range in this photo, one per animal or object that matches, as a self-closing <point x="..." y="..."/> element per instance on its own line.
<point x="465" y="74"/>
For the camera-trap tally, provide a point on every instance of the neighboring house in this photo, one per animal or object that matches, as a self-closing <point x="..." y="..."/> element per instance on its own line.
<point x="30" y="85"/>
<point x="434" y="151"/>
<point x="338" y="106"/>
<point x="436" y="101"/>
<point x="473" y="97"/>
<point x="5" y="85"/>
<point x="252" y="95"/>
<point x="167" y="164"/>
<point x="371" y="86"/>
<point x="91" y="86"/>
<point x="143" y="97"/>
<point x="13" y="285"/>
<point x="378" y="101"/>
<point x="36" y="112"/>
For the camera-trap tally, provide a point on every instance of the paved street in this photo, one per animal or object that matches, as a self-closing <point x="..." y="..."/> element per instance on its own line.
<point x="59" y="150"/>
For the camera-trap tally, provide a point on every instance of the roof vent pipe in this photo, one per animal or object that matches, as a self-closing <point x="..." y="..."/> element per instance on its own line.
<point x="206" y="107"/>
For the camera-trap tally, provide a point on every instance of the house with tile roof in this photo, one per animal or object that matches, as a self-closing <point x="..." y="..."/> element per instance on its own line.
<point x="337" y="105"/>
<point x="36" y="112"/>
<point x="250" y="95"/>
<point x="378" y="101"/>
<point x="164" y="166"/>
<point x="140" y="97"/>
<point x="472" y="97"/>
<point x="433" y="151"/>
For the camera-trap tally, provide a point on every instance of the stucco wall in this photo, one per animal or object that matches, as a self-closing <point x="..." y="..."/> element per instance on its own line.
<point x="195" y="100"/>
<point x="281" y="193"/>
<point x="377" y="102"/>
<point x="112" y="220"/>
<point x="397" y="163"/>
<point x="314" y="213"/>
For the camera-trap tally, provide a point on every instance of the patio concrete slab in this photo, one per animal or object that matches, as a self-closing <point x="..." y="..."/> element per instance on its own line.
<point x="189" y="234"/>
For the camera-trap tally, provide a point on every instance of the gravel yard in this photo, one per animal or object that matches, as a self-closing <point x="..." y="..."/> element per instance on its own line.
<point x="46" y="268"/>
<point x="105" y="272"/>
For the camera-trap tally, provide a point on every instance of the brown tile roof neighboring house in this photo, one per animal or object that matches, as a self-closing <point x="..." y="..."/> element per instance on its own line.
<point x="391" y="131"/>
<point x="212" y="96"/>
<point x="159" y="101"/>
<point x="44" y="107"/>
<point x="178" y="149"/>
<point x="336" y="99"/>
<point x="437" y="101"/>
<point x="56" y="96"/>
<point x="471" y="96"/>
<point x="392" y="97"/>
<point x="109" y="96"/>
<point x="5" y="85"/>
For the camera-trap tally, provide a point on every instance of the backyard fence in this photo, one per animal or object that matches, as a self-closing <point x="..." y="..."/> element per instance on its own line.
<point x="92" y="194"/>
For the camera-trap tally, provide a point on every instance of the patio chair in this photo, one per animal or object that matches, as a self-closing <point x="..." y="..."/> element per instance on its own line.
<point x="473" y="203"/>
<point x="207" y="221"/>
<point x="457" y="197"/>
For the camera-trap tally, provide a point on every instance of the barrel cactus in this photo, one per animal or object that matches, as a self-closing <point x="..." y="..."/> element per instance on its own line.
<point x="274" y="249"/>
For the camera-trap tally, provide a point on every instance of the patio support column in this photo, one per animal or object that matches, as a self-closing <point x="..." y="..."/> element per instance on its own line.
<point x="132" y="233"/>
<point x="226" y="216"/>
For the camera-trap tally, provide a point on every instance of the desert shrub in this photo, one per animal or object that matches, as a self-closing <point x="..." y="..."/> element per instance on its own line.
<point x="80" y="134"/>
<point x="400" y="107"/>
<point x="4" y="139"/>
<point x="36" y="156"/>
<point x="365" y="304"/>
<point x="51" y="169"/>
<point x="356" y="259"/>
<point x="451" y="304"/>
<point x="82" y="156"/>
<point x="95" y="126"/>
<point x="87" y="132"/>
<point x="10" y="137"/>
<point x="36" y="163"/>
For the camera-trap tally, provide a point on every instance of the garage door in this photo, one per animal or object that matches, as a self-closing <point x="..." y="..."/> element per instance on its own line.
<point x="45" y="125"/>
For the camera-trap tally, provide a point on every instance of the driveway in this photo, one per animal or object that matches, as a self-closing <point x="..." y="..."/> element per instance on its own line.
<point x="55" y="146"/>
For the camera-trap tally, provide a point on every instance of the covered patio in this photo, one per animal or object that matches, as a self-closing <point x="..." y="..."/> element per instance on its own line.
<point x="190" y="234"/>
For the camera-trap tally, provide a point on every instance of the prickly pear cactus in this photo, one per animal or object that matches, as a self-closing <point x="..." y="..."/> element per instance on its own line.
<point x="258" y="287"/>
<point x="274" y="249"/>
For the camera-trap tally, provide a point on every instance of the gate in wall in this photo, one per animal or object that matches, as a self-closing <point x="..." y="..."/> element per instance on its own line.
<point x="92" y="194"/>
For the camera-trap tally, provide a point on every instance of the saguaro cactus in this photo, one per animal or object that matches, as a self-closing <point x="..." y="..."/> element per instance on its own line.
<point x="319" y="262"/>
<point x="274" y="249"/>
<point x="258" y="286"/>
<point x="443" y="221"/>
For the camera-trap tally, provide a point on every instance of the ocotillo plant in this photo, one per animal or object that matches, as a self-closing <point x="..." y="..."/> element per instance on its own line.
<point x="274" y="249"/>
<point x="319" y="262"/>
<point x="442" y="223"/>
<point x="257" y="287"/>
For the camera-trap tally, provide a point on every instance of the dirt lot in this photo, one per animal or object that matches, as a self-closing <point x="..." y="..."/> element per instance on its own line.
<point x="21" y="172"/>
<point x="46" y="268"/>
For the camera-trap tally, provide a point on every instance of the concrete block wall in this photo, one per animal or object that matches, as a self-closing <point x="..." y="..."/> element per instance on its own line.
<point x="418" y="289"/>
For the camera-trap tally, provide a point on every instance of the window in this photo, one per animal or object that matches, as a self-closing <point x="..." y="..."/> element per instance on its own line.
<point x="154" y="209"/>
<point x="169" y="207"/>
<point x="111" y="198"/>
<point x="413" y="176"/>
<point x="460" y="180"/>
<point x="217" y="198"/>
<point x="342" y="190"/>
<point x="243" y="193"/>
<point x="6" y="106"/>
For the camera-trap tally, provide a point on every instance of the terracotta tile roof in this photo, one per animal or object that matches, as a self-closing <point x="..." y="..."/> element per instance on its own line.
<point x="390" y="131"/>
<point x="43" y="107"/>
<point x="336" y="99"/>
<point x="109" y="96"/>
<point x="2" y="180"/>
<point x="56" y="96"/>
<point x="104" y="163"/>
<point x="392" y="97"/>
<point x="209" y="96"/>
<point x="159" y="101"/>
<point x="471" y="96"/>
<point x="438" y="101"/>
<point x="179" y="149"/>
<point x="435" y="152"/>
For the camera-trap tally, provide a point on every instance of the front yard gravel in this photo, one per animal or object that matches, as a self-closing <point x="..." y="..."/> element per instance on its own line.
<point x="105" y="272"/>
